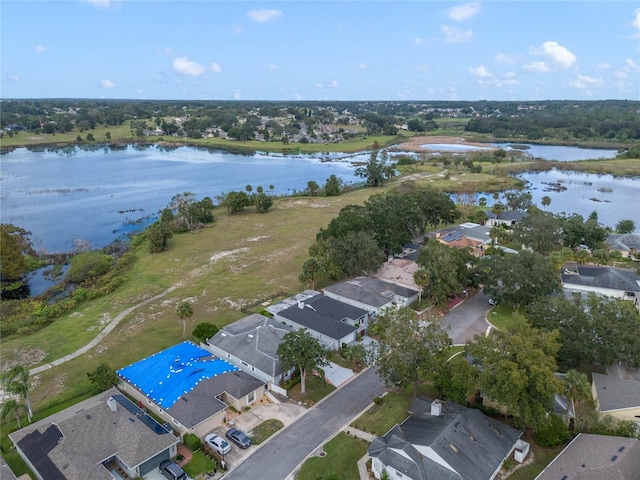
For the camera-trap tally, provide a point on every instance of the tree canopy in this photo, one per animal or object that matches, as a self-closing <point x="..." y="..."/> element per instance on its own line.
<point x="300" y="349"/>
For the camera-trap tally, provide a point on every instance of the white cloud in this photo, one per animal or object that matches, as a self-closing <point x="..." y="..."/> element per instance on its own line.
<point x="99" y="3"/>
<point x="13" y="77"/>
<point x="418" y="41"/>
<point x="480" y="72"/>
<point x="536" y="67"/>
<point x="107" y="84"/>
<point x="604" y="66"/>
<point x="631" y="65"/>
<point x="273" y="67"/>
<point x="165" y="51"/>
<point x="184" y="66"/>
<point x="585" y="81"/>
<point x="236" y="94"/>
<point x="464" y="11"/>
<point x="332" y="84"/>
<point x="620" y="74"/>
<point x="263" y="15"/>
<point x="510" y="75"/>
<point x="455" y="35"/>
<point x="216" y="68"/>
<point x="40" y="49"/>
<point x="505" y="59"/>
<point x="422" y="68"/>
<point x="636" y="19"/>
<point x="319" y="85"/>
<point x="297" y="96"/>
<point x="362" y="66"/>
<point x="556" y="53"/>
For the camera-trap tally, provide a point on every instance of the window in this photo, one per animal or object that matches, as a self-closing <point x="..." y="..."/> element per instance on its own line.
<point x="160" y="410"/>
<point x="149" y="402"/>
<point x="245" y="364"/>
<point x="251" y="397"/>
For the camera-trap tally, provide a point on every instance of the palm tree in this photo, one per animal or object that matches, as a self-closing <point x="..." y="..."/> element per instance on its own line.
<point x="482" y="201"/>
<point x="577" y="389"/>
<point x="184" y="311"/>
<point x="546" y="201"/>
<point x="11" y="407"/>
<point x="272" y="188"/>
<point x="16" y="381"/>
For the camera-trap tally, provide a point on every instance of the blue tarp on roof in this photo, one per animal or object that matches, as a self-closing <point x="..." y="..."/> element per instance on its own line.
<point x="167" y="375"/>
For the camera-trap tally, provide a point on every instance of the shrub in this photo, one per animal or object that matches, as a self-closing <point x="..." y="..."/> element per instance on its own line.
<point x="205" y="331"/>
<point x="192" y="442"/>
<point x="377" y="400"/>
<point x="553" y="433"/>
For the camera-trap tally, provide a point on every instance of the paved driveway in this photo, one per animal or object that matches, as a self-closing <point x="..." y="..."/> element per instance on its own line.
<point x="279" y="457"/>
<point x="468" y="319"/>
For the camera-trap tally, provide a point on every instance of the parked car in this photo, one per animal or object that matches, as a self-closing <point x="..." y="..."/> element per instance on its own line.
<point x="217" y="444"/>
<point x="238" y="437"/>
<point x="172" y="471"/>
<point x="492" y="302"/>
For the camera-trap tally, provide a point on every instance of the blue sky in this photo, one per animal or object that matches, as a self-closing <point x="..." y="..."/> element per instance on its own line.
<point x="320" y="50"/>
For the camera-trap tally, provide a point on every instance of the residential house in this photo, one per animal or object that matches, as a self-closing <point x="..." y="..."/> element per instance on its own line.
<point x="628" y="244"/>
<point x="101" y="438"/>
<point x="476" y="238"/>
<point x="591" y="456"/>
<point x="508" y="218"/>
<point x="251" y="345"/>
<point x="371" y="294"/>
<point x="622" y="283"/>
<point x="330" y="321"/>
<point x="617" y="394"/>
<point x="189" y="388"/>
<point x="444" y="440"/>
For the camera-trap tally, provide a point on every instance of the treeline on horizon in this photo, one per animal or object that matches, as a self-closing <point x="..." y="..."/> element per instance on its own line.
<point x="563" y="120"/>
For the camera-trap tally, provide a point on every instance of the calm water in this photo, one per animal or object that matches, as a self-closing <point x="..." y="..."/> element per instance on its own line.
<point x="63" y="195"/>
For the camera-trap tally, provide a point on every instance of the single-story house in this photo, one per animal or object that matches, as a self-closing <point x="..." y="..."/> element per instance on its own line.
<point x="508" y="218"/>
<point x="371" y="294"/>
<point x="90" y="440"/>
<point x="189" y="388"/>
<point x="251" y="345"/>
<point x="444" y="440"/>
<point x="622" y="283"/>
<point x="591" y="456"/>
<point x="330" y="321"/>
<point x="628" y="244"/>
<point x="469" y="235"/>
<point x="618" y="393"/>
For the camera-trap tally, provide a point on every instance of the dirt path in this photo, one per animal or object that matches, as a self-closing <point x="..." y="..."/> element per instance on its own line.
<point x="108" y="329"/>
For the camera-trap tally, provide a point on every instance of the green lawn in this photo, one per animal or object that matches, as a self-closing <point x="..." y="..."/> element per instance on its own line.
<point x="380" y="418"/>
<point x="265" y="430"/>
<point x="342" y="455"/>
<point x="316" y="391"/>
<point x="543" y="457"/>
<point x="504" y="317"/>
<point x="199" y="464"/>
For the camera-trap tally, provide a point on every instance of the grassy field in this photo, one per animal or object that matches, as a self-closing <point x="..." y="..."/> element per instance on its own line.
<point x="342" y="455"/>
<point x="265" y="430"/>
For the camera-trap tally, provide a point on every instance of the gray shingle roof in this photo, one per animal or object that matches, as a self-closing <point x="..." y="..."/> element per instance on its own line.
<point x="254" y="340"/>
<point x="591" y="457"/>
<point x="473" y="444"/>
<point x="324" y="315"/>
<point x="604" y="277"/>
<point x="91" y="433"/>
<point x="370" y="291"/>
<point x="616" y="393"/>
<point x="623" y="241"/>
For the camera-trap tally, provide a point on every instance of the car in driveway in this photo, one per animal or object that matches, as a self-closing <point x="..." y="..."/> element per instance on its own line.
<point x="172" y="471"/>
<point x="492" y="302"/>
<point x="238" y="437"/>
<point x="217" y="444"/>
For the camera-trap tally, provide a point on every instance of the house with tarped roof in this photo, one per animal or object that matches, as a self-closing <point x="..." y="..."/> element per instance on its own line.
<point x="189" y="387"/>
<point x="104" y="437"/>
<point x="444" y="440"/>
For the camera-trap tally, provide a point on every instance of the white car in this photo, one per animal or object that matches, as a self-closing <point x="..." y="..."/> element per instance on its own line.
<point x="492" y="302"/>
<point x="217" y="444"/>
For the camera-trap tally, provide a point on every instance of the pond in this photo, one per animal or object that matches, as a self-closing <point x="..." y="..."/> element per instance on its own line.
<point x="67" y="195"/>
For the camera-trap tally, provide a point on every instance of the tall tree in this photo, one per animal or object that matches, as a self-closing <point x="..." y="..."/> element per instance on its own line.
<point x="376" y="171"/>
<point x="516" y="369"/>
<point x="355" y="253"/>
<point x="312" y="187"/>
<point x="540" y="231"/>
<point x="236" y="201"/>
<point x="103" y="377"/>
<point x="333" y="186"/>
<point x="546" y="201"/>
<point x="184" y="311"/>
<point x="11" y="407"/>
<point x="409" y="347"/>
<point x="15" y="247"/>
<point x="16" y="381"/>
<point x="312" y="271"/>
<point x="577" y="388"/>
<point x="263" y="202"/>
<point x="519" y="279"/>
<point x="300" y="349"/>
<point x="626" y="226"/>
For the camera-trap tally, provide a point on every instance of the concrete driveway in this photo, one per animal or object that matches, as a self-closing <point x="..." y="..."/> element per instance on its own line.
<point x="337" y="375"/>
<point x="468" y="319"/>
<point x="287" y="413"/>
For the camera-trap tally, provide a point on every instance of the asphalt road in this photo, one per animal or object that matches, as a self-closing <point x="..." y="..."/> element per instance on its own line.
<point x="280" y="456"/>
<point x="468" y="319"/>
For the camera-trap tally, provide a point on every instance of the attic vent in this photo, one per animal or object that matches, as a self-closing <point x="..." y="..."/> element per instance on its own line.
<point x="453" y="447"/>
<point x="564" y="478"/>
<point x="249" y="338"/>
<point x="621" y="449"/>
<point x="614" y="458"/>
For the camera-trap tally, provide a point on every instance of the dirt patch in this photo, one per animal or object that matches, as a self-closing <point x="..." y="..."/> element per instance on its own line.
<point x="24" y="356"/>
<point x="414" y="144"/>
<point x="228" y="253"/>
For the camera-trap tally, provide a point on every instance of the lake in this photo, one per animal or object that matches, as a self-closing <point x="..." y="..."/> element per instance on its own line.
<point x="64" y="195"/>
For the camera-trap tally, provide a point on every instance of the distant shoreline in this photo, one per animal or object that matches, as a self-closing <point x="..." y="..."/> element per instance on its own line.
<point x="415" y="143"/>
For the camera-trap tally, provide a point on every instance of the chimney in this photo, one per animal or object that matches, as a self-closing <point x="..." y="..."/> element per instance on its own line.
<point x="249" y="338"/>
<point x="300" y="305"/>
<point x="436" y="408"/>
<point x="112" y="404"/>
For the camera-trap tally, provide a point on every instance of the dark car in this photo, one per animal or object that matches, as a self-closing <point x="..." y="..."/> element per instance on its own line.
<point x="172" y="471"/>
<point x="238" y="437"/>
